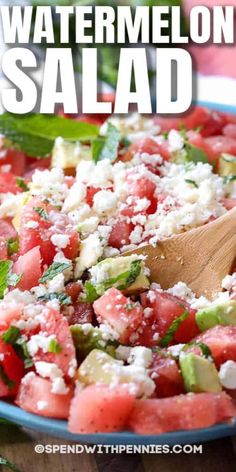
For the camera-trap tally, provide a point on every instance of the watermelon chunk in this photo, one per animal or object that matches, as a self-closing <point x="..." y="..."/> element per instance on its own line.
<point x="166" y="375"/>
<point x="35" y="396"/>
<point x="13" y="367"/>
<point x="119" y="312"/>
<point x="222" y="342"/>
<point x="190" y="411"/>
<point x="29" y="266"/>
<point x="100" y="408"/>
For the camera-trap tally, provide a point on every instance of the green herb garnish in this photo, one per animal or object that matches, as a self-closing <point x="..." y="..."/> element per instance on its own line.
<point x="21" y="183"/>
<point x="13" y="336"/>
<point x="63" y="298"/>
<point x="35" y="134"/>
<point x="229" y="178"/>
<point x="204" y="348"/>
<point x="12" y="246"/>
<point x="4" y="377"/>
<point x="192" y="182"/>
<point x="41" y="212"/>
<point x="106" y="147"/>
<point x="54" y="347"/>
<point x="7" y="277"/>
<point x="53" y="270"/>
<point x="8" y="464"/>
<point x="168" y="337"/>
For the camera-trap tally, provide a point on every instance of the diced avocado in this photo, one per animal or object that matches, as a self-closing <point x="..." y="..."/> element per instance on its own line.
<point x="227" y="165"/>
<point x="108" y="273"/>
<point x="223" y="314"/>
<point x="67" y="155"/>
<point x="199" y="374"/>
<point x="85" y="340"/>
<point x="98" y="367"/>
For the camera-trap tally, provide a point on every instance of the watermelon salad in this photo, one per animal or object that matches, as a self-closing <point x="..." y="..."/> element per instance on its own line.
<point x="84" y="336"/>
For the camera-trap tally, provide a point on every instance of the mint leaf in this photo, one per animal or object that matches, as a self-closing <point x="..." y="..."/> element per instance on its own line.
<point x="7" y="277"/>
<point x="106" y="147"/>
<point x="4" y="377"/>
<point x="11" y="335"/>
<point x="195" y="154"/>
<point x="63" y="298"/>
<point x="21" y="183"/>
<point x="54" y="347"/>
<point x="35" y="134"/>
<point x="167" y="338"/>
<point x="8" y="464"/>
<point x="53" y="270"/>
<point x="41" y="212"/>
<point x="192" y="182"/>
<point x="94" y="291"/>
<point x="204" y="348"/>
<point x="12" y="246"/>
<point x="229" y="178"/>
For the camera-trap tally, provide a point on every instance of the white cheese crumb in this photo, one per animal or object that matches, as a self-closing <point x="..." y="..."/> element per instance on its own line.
<point x="227" y="374"/>
<point x="60" y="240"/>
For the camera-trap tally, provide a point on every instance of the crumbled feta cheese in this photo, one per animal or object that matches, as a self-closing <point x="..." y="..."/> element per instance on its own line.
<point x="60" y="240"/>
<point x="227" y="375"/>
<point x="48" y="370"/>
<point x="175" y="140"/>
<point x="32" y="224"/>
<point x="140" y="356"/>
<point x="59" y="387"/>
<point x="41" y="405"/>
<point x="57" y="284"/>
<point x="104" y="202"/>
<point x="77" y="194"/>
<point x="229" y="282"/>
<point x="91" y="250"/>
<point x="39" y="341"/>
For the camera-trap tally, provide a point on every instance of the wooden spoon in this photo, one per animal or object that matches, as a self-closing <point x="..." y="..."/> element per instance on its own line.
<point x="200" y="257"/>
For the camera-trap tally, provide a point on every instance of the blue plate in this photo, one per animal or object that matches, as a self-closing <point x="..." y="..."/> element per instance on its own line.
<point x="59" y="428"/>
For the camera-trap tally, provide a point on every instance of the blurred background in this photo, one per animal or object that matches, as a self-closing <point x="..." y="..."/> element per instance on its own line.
<point x="215" y="64"/>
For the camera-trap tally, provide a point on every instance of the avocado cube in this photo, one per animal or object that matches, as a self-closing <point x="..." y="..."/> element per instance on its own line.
<point x="67" y="155"/>
<point x="98" y="366"/>
<point x="227" y="165"/>
<point x="199" y="374"/>
<point x="223" y="314"/>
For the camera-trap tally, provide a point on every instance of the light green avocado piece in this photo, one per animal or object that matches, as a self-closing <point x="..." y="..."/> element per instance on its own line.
<point x="199" y="374"/>
<point x="223" y="314"/>
<point x="110" y="269"/>
<point x="85" y="340"/>
<point x="227" y="165"/>
<point x="67" y="155"/>
<point x="98" y="366"/>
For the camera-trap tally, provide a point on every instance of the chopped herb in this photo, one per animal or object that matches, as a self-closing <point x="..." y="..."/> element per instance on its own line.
<point x="21" y="183"/>
<point x="12" y="246"/>
<point x="229" y="178"/>
<point x="8" y="464"/>
<point x="189" y="181"/>
<point x="195" y="154"/>
<point x="94" y="291"/>
<point x="204" y="348"/>
<point x="7" y="277"/>
<point x="63" y="298"/>
<point x="11" y="335"/>
<point x="106" y="147"/>
<point x="4" y="377"/>
<point x="35" y="134"/>
<point x="165" y="134"/>
<point x="129" y="306"/>
<point x="125" y="142"/>
<point x="53" y="270"/>
<point x="54" y="347"/>
<point x="167" y="338"/>
<point x="41" y="212"/>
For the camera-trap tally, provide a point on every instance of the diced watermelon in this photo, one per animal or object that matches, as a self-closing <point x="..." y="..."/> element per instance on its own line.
<point x="54" y="323"/>
<point x="83" y="313"/>
<point x="182" y="412"/>
<point x="35" y="396"/>
<point x="230" y="130"/>
<point x="141" y="187"/>
<point x="221" y="144"/>
<point x="8" y="183"/>
<point x="3" y="249"/>
<point x="9" y="312"/>
<point x="166" y="375"/>
<point x="73" y="289"/>
<point x="148" y="146"/>
<point x="120" y="233"/>
<point x="15" y="159"/>
<point x="229" y="203"/>
<point x="100" y="408"/>
<point x="12" y="366"/>
<point x="29" y="266"/>
<point x="222" y="342"/>
<point x="166" y="309"/>
<point x="7" y="230"/>
<point x="91" y="191"/>
<point x="72" y="249"/>
<point x="119" y="312"/>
